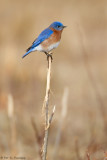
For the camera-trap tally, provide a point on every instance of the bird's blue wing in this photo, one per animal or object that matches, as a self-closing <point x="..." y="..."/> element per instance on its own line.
<point x="43" y="35"/>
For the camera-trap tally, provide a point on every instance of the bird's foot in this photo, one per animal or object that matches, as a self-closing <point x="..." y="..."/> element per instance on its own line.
<point x="49" y="55"/>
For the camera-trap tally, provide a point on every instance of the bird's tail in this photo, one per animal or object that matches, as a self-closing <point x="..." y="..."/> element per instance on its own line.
<point x="26" y="53"/>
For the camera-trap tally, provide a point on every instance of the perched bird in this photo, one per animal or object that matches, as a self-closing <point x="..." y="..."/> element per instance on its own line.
<point x="48" y="39"/>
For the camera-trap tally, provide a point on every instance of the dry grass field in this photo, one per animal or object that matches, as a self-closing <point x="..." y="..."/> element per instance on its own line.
<point x="79" y="63"/>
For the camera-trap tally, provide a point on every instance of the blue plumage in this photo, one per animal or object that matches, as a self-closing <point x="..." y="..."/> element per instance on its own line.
<point x="57" y="26"/>
<point x="43" y="35"/>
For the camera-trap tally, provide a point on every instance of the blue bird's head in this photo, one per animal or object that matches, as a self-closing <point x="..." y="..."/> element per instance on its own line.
<point x="57" y="26"/>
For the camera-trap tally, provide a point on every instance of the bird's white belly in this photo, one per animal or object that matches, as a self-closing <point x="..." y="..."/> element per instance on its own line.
<point x="52" y="46"/>
<point x="47" y="49"/>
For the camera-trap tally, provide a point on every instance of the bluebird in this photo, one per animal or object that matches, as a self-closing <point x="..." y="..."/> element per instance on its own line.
<point x="48" y="39"/>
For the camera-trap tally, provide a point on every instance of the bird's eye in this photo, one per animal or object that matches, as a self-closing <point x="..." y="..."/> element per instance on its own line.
<point x="58" y="26"/>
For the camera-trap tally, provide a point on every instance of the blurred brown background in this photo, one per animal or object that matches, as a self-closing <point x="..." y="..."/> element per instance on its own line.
<point x="80" y="63"/>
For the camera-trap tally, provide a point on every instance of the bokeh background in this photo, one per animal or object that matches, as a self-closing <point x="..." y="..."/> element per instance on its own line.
<point x="80" y="64"/>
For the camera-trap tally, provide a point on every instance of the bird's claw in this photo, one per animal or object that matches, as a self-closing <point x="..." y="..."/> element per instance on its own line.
<point x="49" y="55"/>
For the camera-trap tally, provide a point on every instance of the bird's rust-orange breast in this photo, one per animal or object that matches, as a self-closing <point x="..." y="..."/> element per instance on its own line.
<point x="54" y="38"/>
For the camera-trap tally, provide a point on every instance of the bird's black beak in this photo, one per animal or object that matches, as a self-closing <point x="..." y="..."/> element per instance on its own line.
<point x="64" y="26"/>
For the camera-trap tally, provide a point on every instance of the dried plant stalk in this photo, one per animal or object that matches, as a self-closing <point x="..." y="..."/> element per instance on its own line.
<point x="61" y="121"/>
<point x="11" y="116"/>
<point x="88" y="156"/>
<point x="46" y="107"/>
